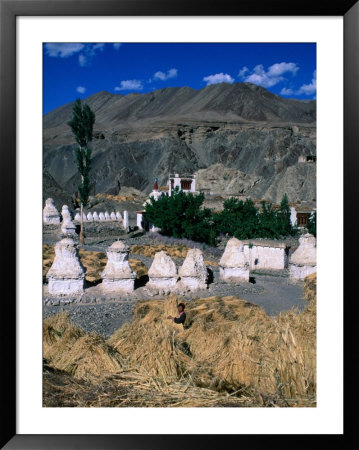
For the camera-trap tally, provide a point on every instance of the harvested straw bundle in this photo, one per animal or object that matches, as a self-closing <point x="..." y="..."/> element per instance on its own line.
<point x="226" y="339"/>
<point x="297" y="346"/>
<point x="134" y="389"/>
<point x="227" y="343"/>
<point x="174" y="251"/>
<point x="138" y="267"/>
<point x="149" y="341"/>
<point x="94" y="263"/>
<point x="59" y="335"/>
<point x="83" y="356"/>
<point x="89" y="357"/>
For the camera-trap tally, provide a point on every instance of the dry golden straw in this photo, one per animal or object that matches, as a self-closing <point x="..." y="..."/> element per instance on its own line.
<point x="227" y="345"/>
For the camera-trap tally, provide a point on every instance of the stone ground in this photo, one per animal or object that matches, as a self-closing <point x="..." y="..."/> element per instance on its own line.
<point x="105" y="313"/>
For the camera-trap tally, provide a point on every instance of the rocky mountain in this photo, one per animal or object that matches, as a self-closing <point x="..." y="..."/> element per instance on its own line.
<point x="52" y="189"/>
<point x="239" y="131"/>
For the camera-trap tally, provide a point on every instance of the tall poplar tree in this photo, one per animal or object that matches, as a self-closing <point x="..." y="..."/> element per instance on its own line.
<point x="81" y="124"/>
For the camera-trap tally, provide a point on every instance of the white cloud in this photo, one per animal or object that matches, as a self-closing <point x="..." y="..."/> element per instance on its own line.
<point x="218" y="78"/>
<point x="286" y="91"/>
<point x="311" y="88"/>
<point x="278" y="69"/>
<point x="243" y="71"/>
<point x="117" y="45"/>
<point x="171" y="73"/>
<point x="130" y="85"/>
<point x="57" y="50"/>
<point x="64" y="50"/>
<point x="89" y="52"/>
<point x="270" y="77"/>
<point x="97" y="47"/>
<point x="83" y="61"/>
<point x="81" y="89"/>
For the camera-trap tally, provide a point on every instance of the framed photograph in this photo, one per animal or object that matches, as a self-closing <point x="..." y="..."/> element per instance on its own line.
<point x="299" y="64"/>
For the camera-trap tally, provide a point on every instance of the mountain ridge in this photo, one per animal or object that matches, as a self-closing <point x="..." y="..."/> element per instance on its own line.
<point x="238" y="98"/>
<point x="144" y="135"/>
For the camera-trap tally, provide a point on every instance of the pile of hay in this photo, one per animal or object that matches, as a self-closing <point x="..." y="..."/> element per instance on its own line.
<point x="81" y="355"/>
<point x="139" y="267"/>
<point x="93" y="261"/>
<point x="216" y="349"/>
<point x="149" y="341"/>
<point x="227" y="344"/>
<point x="211" y="263"/>
<point x="82" y="370"/>
<point x="59" y="333"/>
<point x="132" y="389"/>
<point x="174" y="251"/>
<point x="117" y="198"/>
<point x="298" y="345"/>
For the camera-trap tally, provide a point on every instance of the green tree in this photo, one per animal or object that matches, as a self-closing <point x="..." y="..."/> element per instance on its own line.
<point x="81" y="124"/>
<point x="268" y="222"/>
<point x="182" y="216"/>
<point x="312" y="224"/>
<point x="283" y="216"/>
<point x="238" y="218"/>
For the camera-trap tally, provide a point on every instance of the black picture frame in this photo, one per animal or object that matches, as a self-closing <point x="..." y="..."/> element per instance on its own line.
<point x="9" y="10"/>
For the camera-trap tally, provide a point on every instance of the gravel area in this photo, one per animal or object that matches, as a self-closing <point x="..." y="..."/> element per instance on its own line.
<point x="103" y="319"/>
<point x="103" y="315"/>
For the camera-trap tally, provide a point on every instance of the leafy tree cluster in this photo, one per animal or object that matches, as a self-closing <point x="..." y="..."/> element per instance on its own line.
<point x="243" y="220"/>
<point x="182" y="216"/>
<point x="239" y="218"/>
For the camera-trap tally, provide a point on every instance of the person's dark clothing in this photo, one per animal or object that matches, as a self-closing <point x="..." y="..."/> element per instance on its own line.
<point x="181" y="318"/>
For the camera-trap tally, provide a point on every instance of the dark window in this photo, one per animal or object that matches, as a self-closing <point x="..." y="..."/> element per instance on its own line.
<point x="186" y="184"/>
<point x="302" y="219"/>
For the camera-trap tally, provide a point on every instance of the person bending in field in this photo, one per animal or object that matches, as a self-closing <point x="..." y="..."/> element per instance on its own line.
<point x="182" y="314"/>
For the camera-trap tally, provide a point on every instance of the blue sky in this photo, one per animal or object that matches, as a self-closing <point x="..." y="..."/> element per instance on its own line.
<point x="78" y="70"/>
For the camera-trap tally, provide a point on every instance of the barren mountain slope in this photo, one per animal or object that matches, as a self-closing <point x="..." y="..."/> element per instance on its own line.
<point x="140" y="136"/>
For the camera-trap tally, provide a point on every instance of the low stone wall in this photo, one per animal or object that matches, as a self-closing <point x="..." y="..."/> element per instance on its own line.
<point x="266" y="255"/>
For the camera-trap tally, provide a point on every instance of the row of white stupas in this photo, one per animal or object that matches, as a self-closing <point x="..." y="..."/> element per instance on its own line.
<point x="52" y="216"/>
<point x="66" y="275"/>
<point x="100" y="217"/>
